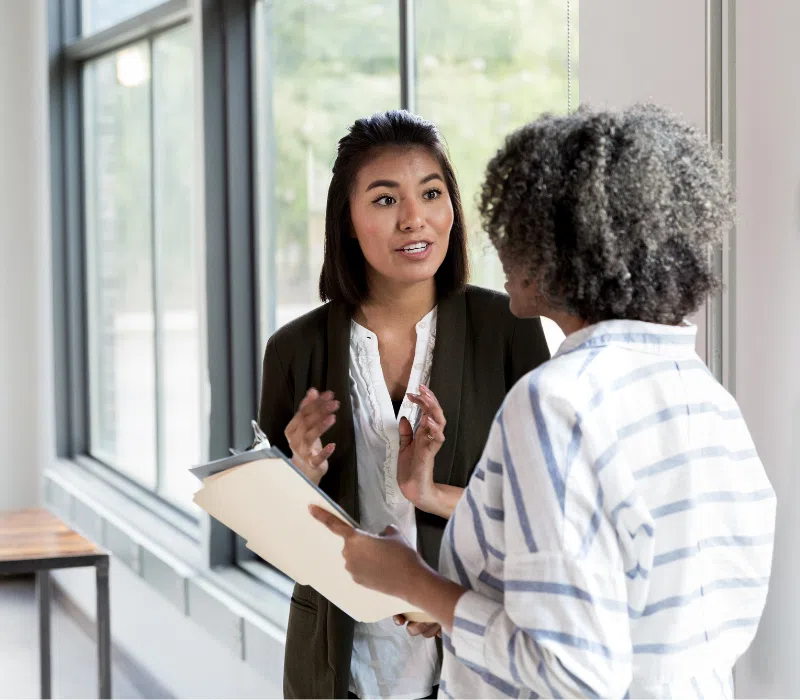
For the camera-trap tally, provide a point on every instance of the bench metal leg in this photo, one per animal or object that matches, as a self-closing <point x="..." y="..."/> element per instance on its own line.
<point x="43" y="599"/>
<point x="103" y="630"/>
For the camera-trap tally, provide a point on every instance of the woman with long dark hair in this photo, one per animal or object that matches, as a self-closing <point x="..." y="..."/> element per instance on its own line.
<point x="384" y="396"/>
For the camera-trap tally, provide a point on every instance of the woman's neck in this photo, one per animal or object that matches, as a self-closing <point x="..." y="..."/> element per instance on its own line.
<point x="396" y="304"/>
<point x="568" y="323"/>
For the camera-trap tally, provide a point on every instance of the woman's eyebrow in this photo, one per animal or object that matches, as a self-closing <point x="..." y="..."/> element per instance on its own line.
<point x="382" y="183"/>
<point x="391" y="183"/>
<point x="432" y="176"/>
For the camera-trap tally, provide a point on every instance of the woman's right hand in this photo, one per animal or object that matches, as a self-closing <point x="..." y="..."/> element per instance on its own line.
<point x="315" y="415"/>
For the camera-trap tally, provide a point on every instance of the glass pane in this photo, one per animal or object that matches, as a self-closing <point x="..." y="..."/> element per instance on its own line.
<point x="498" y="64"/>
<point x="97" y="15"/>
<point x="319" y="66"/>
<point x="179" y="265"/>
<point x="119" y="262"/>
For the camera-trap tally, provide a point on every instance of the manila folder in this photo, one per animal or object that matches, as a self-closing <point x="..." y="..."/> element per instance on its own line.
<point x="266" y="502"/>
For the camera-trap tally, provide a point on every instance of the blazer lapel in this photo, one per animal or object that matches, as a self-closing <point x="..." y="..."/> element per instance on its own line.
<point x="342" y="480"/>
<point x="447" y="376"/>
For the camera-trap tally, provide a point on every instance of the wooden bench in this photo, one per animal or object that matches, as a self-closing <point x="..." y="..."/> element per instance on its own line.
<point x="36" y="541"/>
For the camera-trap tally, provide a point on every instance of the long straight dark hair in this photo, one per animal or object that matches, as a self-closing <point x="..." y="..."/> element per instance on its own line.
<point x="344" y="276"/>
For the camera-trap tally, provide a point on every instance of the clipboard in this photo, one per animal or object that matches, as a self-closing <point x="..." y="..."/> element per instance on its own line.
<point x="263" y="497"/>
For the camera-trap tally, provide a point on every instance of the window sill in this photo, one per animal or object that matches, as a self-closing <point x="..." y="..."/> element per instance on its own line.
<point x="121" y="485"/>
<point x="242" y="610"/>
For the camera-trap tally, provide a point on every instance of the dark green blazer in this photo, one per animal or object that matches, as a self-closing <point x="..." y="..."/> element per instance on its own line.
<point x="481" y="351"/>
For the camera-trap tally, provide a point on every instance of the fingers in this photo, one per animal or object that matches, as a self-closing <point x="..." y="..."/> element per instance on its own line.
<point x="390" y="531"/>
<point x="414" y="629"/>
<point x="434" y="433"/>
<point x="318" y="425"/>
<point x="406" y="432"/>
<point x="429" y="404"/>
<point x="310" y="396"/>
<point x="316" y="405"/>
<point x="425" y="629"/>
<point x="433" y="421"/>
<point x="314" y="416"/>
<point x="329" y="520"/>
<point x="317" y="459"/>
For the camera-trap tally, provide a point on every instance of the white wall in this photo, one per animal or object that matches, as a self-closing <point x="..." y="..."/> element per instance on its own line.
<point x="24" y="262"/>
<point x="768" y="309"/>
<point x="633" y="51"/>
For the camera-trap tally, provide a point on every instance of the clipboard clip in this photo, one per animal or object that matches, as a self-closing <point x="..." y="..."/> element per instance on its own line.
<point x="260" y="441"/>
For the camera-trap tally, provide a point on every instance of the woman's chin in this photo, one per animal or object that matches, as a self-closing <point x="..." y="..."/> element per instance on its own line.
<point x="409" y="278"/>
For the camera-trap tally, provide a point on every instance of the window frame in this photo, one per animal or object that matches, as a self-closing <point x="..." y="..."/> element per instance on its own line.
<point x="228" y="239"/>
<point x="69" y="53"/>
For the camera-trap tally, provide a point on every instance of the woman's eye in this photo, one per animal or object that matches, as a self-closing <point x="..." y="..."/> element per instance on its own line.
<point x="385" y="201"/>
<point x="433" y="194"/>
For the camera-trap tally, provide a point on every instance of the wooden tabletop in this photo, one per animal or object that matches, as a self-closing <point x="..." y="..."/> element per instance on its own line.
<point x="36" y="534"/>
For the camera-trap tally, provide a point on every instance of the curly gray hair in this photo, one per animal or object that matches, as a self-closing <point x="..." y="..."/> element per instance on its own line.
<point x="612" y="214"/>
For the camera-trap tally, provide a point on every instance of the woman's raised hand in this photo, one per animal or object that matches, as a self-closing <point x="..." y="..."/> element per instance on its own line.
<point x="417" y="452"/>
<point x="315" y="415"/>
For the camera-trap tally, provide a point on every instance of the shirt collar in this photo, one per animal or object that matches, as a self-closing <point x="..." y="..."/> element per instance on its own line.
<point x="425" y="326"/>
<point x="654" y="338"/>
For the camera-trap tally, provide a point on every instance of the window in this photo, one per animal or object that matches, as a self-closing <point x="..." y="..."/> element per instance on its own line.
<point x="143" y="260"/>
<point x="513" y="67"/>
<point x="102" y="14"/>
<point x="319" y="66"/>
<point x="479" y="70"/>
<point x="495" y="67"/>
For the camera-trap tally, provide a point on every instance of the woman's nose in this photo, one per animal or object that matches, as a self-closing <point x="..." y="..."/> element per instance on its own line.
<point x="411" y="216"/>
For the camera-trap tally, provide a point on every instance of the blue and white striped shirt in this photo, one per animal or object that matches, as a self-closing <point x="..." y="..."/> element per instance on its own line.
<point x="616" y="536"/>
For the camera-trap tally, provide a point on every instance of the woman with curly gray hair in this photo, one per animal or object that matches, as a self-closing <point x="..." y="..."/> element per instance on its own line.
<point x="616" y="537"/>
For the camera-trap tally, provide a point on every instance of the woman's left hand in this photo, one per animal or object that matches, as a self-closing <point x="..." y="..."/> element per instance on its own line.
<point x="384" y="562"/>
<point x="417" y="452"/>
<point x="416" y="629"/>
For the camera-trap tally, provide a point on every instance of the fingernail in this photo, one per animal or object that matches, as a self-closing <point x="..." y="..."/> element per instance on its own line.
<point x="423" y="388"/>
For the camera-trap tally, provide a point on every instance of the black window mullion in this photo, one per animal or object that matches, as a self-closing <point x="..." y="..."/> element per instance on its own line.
<point x="408" y="58"/>
<point x="230" y="239"/>
<point x="241" y="219"/>
<point x="218" y="541"/>
<point x="69" y="289"/>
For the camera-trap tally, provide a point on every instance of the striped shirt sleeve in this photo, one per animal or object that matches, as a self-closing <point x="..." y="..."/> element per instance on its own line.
<point x="562" y="626"/>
